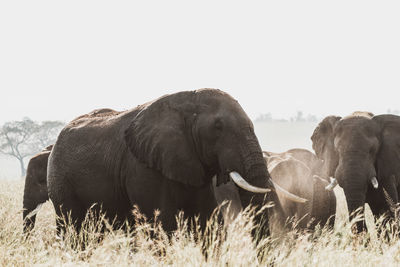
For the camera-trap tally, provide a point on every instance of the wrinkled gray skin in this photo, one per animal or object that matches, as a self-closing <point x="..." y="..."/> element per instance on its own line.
<point x="293" y="170"/>
<point x="159" y="156"/>
<point x="355" y="149"/>
<point x="35" y="191"/>
<point x="299" y="171"/>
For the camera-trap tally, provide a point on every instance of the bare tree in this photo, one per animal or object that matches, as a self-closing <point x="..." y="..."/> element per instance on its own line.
<point x="21" y="139"/>
<point x="47" y="133"/>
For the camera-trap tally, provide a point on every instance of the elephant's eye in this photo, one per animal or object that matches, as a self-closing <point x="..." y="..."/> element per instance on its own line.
<point x="251" y="130"/>
<point x="218" y="124"/>
<point x="373" y="150"/>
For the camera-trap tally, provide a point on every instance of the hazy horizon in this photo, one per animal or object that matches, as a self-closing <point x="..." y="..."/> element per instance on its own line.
<point x="59" y="60"/>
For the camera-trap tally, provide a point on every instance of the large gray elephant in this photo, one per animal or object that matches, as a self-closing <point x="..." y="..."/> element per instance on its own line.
<point x="362" y="152"/>
<point x="299" y="171"/>
<point x="35" y="191"/>
<point x="159" y="156"/>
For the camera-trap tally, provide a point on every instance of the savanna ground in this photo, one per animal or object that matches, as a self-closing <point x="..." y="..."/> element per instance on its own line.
<point x="185" y="248"/>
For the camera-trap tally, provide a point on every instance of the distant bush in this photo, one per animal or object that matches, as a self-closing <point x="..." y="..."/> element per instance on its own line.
<point x="267" y="117"/>
<point x="395" y="111"/>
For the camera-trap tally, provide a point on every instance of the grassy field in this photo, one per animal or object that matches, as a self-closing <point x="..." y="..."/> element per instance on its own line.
<point x="236" y="248"/>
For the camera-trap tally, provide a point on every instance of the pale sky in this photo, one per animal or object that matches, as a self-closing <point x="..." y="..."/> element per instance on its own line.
<point x="60" y="59"/>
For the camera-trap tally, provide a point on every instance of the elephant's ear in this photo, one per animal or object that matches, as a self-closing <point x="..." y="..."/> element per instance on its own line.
<point x="388" y="158"/>
<point x="322" y="137"/>
<point x="160" y="136"/>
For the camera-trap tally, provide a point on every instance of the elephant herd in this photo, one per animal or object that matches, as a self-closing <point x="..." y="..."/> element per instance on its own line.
<point x="194" y="150"/>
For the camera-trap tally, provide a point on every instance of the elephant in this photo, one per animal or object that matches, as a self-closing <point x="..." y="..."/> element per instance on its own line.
<point x="362" y="151"/>
<point x="159" y="156"/>
<point x="35" y="191"/>
<point x="299" y="171"/>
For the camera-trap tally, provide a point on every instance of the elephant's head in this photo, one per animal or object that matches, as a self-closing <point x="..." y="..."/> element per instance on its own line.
<point x="35" y="191"/>
<point x="351" y="148"/>
<point x="191" y="136"/>
<point x="323" y="145"/>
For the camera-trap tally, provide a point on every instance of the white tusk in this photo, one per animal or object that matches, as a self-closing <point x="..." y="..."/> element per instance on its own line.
<point x="332" y="185"/>
<point x="289" y="195"/>
<point x="35" y="211"/>
<point x="271" y="166"/>
<point x="374" y="182"/>
<point x="238" y="179"/>
<point x="316" y="177"/>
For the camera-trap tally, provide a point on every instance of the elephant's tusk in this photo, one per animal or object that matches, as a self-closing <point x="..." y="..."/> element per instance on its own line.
<point x="35" y="211"/>
<point x="242" y="183"/>
<point x="289" y="195"/>
<point x="332" y="185"/>
<point x="374" y="182"/>
<point x="316" y="177"/>
<point x="272" y="166"/>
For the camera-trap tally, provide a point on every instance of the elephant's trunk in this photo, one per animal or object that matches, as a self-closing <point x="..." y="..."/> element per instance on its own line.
<point x="28" y="215"/>
<point x="356" y="208"/>
<point x="256" y="173"/>
<point x="354" y="180"/>
<point x="33" y="198"/>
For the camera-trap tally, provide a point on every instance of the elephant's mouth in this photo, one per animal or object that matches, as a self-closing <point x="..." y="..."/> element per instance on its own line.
<point x="222" y="177"/>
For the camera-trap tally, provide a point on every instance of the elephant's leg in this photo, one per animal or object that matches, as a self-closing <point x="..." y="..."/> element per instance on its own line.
<point x="332" y="218"/>
<point x="390" y="193"/>
<point x="391" y="196"/>
<point x="150" y="192"/>
<point x="380" y="203"/>
<point x="384" y="200"/>
<point x="230" y="193"/>
<point x="332" y="210"/>
<point x="70" y="212"/>
<point x="205" y="204"/>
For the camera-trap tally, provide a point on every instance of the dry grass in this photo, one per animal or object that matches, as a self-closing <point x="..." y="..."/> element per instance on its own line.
<point x="232" y="247"/>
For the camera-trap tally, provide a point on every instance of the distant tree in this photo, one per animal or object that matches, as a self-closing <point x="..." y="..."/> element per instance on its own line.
<point x="395" y="112"/>
<point x="267" y="117"/>
<point x="21" y="139"/>
<point x="299" y="117"/>
<point x="47" y="133"/>
<point x="264" y="118"/>
<point x="312" y="118"/>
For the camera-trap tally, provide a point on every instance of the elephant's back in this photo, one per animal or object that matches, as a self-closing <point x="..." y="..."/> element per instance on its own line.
<point x="86" y="158"/>
<point x="304" y="155"/>
<point x="97" y="125"/>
